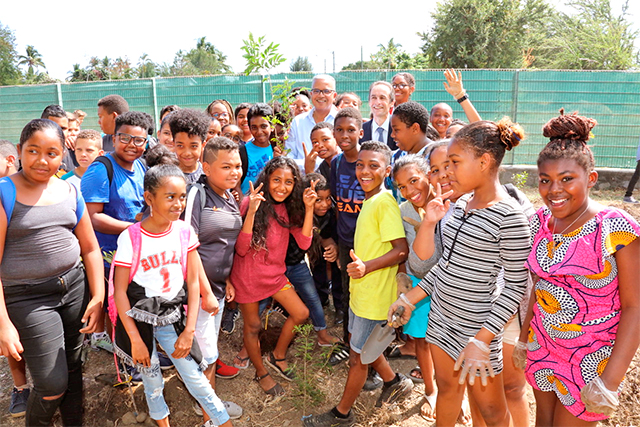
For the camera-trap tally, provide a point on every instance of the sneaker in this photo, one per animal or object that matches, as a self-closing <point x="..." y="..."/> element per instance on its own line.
<point x="165" y="362"/>
<point x="101" y="341"/>
<point x="374" y="381"/>
<point x="629" y="199"/>
<point x="328" y="419"/>
<point x="229" y="317"/>
<point x="339" y="317"/>
<point x="18" y="406"/>
<point x="136" y="377"/>
<point x="396" y="392"/>
<point x="234" y="410"/>
<point x="225" y="371"/>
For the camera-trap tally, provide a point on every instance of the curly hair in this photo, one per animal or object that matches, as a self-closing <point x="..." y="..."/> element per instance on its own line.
<point x="135" y="118"/>
<point x="293" y="203"/>
<point x="494" y="138"/>
<point x="190" y="121"/>
<point x="411" y="112"/>
<point x="568" y="135"/>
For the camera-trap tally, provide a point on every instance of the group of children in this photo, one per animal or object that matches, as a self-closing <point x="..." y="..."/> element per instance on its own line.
<point x="221" y="224"/>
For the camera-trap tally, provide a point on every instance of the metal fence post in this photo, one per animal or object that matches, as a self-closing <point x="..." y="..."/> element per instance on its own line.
<point x="514" y="105"/>
<point x="59" y="91"/>
<point x="155" y="102"/>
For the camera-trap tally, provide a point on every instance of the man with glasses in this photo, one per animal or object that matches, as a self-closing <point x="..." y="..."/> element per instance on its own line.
<point x="112" y="186"/>
<point x="323" y="94"/>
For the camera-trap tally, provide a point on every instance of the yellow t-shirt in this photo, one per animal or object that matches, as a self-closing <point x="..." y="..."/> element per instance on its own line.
<point x="378" y="224"/>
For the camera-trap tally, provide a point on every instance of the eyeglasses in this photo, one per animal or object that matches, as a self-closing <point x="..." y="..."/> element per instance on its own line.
<point x="319" y="91"/>
<point x="399" y="86"/>
<point x="125" y="138"/>
<point x="234" y="138"/>
<point x="218" y="115"/>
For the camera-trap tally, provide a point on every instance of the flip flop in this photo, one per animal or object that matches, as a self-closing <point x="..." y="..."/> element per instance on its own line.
<point x="414" y="378"/>
<point x="431" y="401"/>
<point x="395" y="353"/>
<point x="288" y="374"/>
<point x="242" y="360"/>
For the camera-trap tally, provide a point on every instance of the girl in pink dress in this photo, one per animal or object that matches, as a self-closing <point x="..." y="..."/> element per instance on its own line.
<point x="585" y="307"/>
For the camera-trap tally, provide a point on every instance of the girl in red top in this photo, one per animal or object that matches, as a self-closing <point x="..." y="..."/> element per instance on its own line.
<point x="259" y="263"/>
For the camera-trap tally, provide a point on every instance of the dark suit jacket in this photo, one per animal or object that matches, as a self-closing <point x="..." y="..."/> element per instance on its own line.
<point x="366" y="126"/>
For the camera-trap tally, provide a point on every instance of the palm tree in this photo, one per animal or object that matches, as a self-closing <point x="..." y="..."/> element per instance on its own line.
<point x="387" y="55"/>
<point x="32" y="60"/>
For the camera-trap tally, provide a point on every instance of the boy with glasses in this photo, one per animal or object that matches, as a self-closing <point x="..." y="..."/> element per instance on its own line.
<point x="323" y="94"/>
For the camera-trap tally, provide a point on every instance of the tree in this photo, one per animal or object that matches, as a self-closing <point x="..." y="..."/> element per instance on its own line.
<point x="146" y="67"/>
<point x="486" y="33"/>
<point x="261" y="58"/>
<point x="387" y="56"/>
<point x="33" y="61"/>
<point x="9" y="71"/>
<point x="301" y="64"/>
<point x="362" y="65"/>
<point x="593" y="38"/>
<point x="204" y="59"/>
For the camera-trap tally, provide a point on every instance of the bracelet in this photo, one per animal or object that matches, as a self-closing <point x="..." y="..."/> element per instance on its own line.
<point x="481" y="345"/>
<point x="464" y="98"/>
<point x="406" y="301"/>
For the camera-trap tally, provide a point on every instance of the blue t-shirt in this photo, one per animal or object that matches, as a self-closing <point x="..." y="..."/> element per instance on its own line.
<point x="348" y="195"/>
<point x="122" y="200"/>
<point x="258" y="158"/>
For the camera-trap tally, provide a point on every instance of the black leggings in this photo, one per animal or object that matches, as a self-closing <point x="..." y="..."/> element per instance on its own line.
<point x="633" y="181"/>
<point x="48" y="319"/>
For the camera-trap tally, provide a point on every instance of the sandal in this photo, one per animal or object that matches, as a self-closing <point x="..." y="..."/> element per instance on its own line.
<point x="244" y="362"/>
<point x="339" y="354"/>
<point x="414" y="375"/>
<point x="288" y="374"/>
<point x="274" y="391"/>
<point x="395" y="353"/>
<point x="431" y="401"/>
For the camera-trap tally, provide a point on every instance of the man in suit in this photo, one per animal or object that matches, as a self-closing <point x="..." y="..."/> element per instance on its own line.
<point x="381" y="100"/>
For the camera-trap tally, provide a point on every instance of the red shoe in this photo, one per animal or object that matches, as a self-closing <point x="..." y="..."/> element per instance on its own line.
<point x="226" y="371"/>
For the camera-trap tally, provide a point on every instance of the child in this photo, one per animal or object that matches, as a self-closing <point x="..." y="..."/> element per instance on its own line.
<point x="488" y="232"/>
<point x="88" y="148"/>
<point x="240" y="113"/>
<point x="259" y="151"/>
<point x="167" y="109"/>
<point x="43" y="224"/>
<point x="215" y="128"/>
<point x="404" y="84"/>
<point x="217" y="225"/>
<point x="409" y="127"/>
<point x="165" y="137"/>
<point x="57" y="114"/>
<point x="583" y="312"/>
<point x="380" y="245"/>
<point x="114" y="199"/>
<point x="347" y="192"/>
<point x="221" y="110"/>
<point x="302" y="102"/>
<point x="232" y="132"/>
<point x="8" y="158"/>
<point x="324" y="248"/>
<point x="324" y="147"/>
<point x="148" y="287"/>
<point x="189" y="130"/>
<point x="258" y="271"/>
<point x="348" y="99"/>
<point x="109" y="108"/>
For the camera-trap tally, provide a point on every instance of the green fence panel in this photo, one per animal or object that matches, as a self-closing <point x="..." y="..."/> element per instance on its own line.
<point x="530" y="97"/>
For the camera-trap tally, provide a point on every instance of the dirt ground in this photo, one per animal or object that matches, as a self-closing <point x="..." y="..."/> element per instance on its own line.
<point x="106" y="405"/>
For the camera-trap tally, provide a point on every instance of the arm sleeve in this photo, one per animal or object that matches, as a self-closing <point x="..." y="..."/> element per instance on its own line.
<point x="389" y="219"/>
<point x="124" y="253"/>
<point x="293" y="142"/>
<point x="243" y="244"/>
<point x="514" y="249"/>
<point x="95" y="184"/>
<point x="303" y="241"/>
<point x="193" y="240"/>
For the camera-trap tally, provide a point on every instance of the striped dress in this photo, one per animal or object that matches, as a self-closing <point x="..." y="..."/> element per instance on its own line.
<point x="464" y="296"/>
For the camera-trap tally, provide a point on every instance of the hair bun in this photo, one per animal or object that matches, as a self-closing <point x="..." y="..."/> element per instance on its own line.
<point x="569" y="127"/>
<point x="510" y="133"/>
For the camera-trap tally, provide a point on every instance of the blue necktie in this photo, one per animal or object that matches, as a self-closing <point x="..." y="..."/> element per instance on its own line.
<point x="379" y="132"/>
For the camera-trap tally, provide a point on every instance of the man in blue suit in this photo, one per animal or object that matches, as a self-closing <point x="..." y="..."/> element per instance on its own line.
<point x="381" y="100"/>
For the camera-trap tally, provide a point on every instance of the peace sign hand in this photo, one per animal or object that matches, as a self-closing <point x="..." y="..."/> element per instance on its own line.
<point x="255" y="197"/>
<point x="309" y="159"/>
<point x="310" y="196"/>
<point x="438" y="206"/>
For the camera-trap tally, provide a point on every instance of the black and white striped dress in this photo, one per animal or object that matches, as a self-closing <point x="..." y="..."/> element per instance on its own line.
<point x="464" y="297"/>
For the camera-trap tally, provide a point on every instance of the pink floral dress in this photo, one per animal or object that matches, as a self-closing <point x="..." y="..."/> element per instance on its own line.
<point x="577" y="309"/>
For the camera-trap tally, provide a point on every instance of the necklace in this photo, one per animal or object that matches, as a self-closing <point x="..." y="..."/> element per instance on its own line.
<point x="555" y="221"/>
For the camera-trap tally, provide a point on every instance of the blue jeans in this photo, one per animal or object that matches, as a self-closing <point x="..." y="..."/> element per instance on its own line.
<point x="197" y="384"/>
<point x="300" y="277"/>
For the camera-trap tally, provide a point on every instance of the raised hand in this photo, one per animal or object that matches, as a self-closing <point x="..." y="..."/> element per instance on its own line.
<point x="356" y="269"/>
<point x="309" y="159"/>
<point x="255" y="197"/>
<point x="453" y="85"/>
<point x="310" y="196"/>
<point x="437" y="207"/>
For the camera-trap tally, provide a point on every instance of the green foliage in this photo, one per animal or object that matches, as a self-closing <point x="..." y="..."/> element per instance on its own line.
<point x="520" y="179"/>
<point x="391" y="56"/>
<point x="260" y="57"/>
<point x="9" y="71"/>
<point x="486" y="33"/>
<point x="146" y="67"/>
<point x="307" y="367"/>
<point x="33" y="61"/>
<point x="593" y="38"/>
<point x="301" y="64"/>
<point x="204" y="59"/>
<point x="387" y="55"/>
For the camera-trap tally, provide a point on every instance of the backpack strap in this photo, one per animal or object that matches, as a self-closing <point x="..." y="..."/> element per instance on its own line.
<point x="7" y="196"/>
<point x="244" y="158"/>
<point x="185" y="232"/>
<point x="135" y="234"/>
<point x="108" y="166"/>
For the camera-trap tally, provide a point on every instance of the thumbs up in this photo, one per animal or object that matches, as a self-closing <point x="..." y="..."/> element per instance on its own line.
<point x="356" y="269"/>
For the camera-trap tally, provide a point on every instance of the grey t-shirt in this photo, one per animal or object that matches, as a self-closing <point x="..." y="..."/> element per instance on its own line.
<point x="40" y="243"/>
<point x="217" y="226"/>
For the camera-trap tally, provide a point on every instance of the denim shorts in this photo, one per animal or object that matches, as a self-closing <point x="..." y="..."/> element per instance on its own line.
<point x="360" y="329"/>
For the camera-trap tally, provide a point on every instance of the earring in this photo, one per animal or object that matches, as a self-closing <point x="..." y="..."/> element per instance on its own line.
<point x="150" y="211"/>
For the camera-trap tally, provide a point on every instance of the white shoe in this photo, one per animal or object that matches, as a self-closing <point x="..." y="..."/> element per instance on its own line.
<point x="234" y="410"/>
